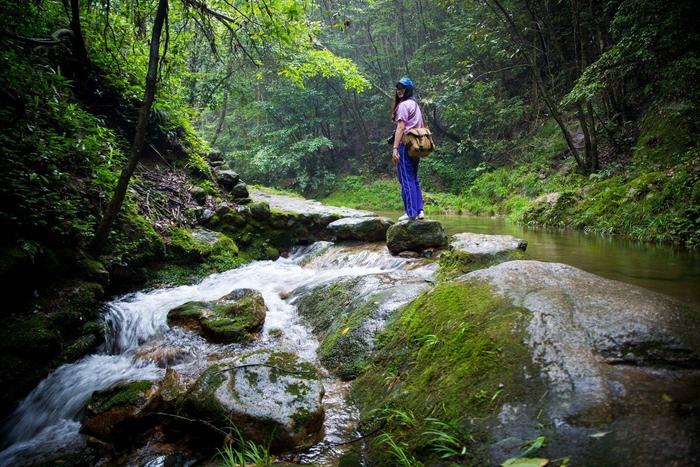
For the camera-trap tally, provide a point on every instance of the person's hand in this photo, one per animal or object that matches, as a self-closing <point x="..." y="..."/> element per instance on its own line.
<point x="395" y="157"/>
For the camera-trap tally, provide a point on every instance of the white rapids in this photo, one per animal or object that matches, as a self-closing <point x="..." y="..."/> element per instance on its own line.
<point x="47" y="422"/>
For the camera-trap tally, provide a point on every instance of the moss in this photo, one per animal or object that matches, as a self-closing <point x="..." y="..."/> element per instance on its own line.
<point x="129" y="394"/>
<point x="323" y="305"/>
<point x="134" y="241"/>
<point x="345" y="350"/>
<point x="187" y="315"/>
<point x="182" y="247"/>
<point x="454" y="263"/>
<point x="446" y="356"/>
<point x="666" y="131"/>
<point x="200" y="400"/>
<point x="32" y="336"/>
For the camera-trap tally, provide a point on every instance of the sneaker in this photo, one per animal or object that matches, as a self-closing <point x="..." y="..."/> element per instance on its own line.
<point x="421" y="215"/>
<point x="404" y="218"/>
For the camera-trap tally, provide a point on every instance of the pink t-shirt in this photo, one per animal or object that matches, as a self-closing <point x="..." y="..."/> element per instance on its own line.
<point x="409" y="112"/>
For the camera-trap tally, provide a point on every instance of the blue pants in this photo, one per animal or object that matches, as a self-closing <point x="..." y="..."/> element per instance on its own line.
<point x="407" y="172"/>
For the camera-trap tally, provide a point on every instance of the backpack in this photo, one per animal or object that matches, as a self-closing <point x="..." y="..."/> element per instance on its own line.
<point x="419" y="142"/>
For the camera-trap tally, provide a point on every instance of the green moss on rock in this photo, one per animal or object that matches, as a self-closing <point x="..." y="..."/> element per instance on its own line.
<point x="135" y="393"/>
<point x="456" y="353"/>
<point x="454" y="263"/>
<point x="235" y="317"/>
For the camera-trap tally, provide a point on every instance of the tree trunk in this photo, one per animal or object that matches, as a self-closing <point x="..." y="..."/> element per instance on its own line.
<point x="221" y="119"/>
<point x="78" y="40"/>
<point x="553" y="108"/>
<point x="139" y="139"/>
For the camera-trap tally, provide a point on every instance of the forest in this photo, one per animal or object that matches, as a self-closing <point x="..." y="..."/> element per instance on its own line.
<point x="128" y="124"/>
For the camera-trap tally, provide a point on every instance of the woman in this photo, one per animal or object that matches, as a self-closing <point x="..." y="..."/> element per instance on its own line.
<point x="407" y="115"/>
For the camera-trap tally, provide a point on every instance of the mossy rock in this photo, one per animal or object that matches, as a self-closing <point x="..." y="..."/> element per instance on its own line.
<point x="346" y="315"/>
<point x="114" y="413"/>
<point x="415" y="236"/>
<point x="468" y="252"/>
<point x="454" y="355"/>
<point x="366" y="229"/>
<point x="236" y="317"/>
<point x="271" y="397"/>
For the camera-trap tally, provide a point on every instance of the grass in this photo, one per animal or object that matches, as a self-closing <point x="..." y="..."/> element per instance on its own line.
<point x="245" y="454"/>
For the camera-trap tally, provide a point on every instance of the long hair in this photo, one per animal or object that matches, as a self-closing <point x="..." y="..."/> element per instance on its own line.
<point x="408" y="94"/>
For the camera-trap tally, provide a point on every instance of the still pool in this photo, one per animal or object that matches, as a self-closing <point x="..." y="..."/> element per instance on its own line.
<point x="662" y="268"/>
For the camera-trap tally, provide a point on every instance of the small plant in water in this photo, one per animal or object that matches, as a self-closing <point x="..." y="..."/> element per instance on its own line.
<point x="245" y="453"/>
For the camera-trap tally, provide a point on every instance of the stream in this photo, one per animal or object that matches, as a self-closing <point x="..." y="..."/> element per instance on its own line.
<point x="46" y="424"/>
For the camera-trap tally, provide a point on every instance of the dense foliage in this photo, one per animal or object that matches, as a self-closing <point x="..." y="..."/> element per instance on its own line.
<point x="533" y="96"/>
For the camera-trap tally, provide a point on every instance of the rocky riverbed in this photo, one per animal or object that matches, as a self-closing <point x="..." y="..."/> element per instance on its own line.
<point x="466" y="354"/>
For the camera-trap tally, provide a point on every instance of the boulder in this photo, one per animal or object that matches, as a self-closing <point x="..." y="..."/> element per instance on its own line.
<point x="239" y="190"/>
<point x="346" y="315"/>
<point x="605" y="372"/>
<point x="269" y="396"/>
<point x="470" y="251"/>
<point x="215" y="155"/>
<point x="227" y="179"/>
<point x="480" y="244"/>
<point x="199" y="194"/>
<point x="415" y="235"/>
<point x="617" y="359"/>
<point x="365" y="229"/>
<point x="236" y="317"/>
<point x="116" y="412"/>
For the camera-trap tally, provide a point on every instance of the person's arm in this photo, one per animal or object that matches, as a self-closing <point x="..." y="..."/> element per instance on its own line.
<point x="398" y="135"/>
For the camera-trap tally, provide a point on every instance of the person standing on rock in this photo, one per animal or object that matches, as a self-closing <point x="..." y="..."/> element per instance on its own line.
<point x="406" y="114"/>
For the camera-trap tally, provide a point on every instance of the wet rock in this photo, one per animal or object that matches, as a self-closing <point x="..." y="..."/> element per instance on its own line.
<point x="206" y="236"/>
<point x="365" y="229"/>
<point x="469" y="251"/>
<point x="415" y="236"/>
<point x="115" y="412"/>
<point x="408" y="254"/>
<point x="299" y="205"/>
<point x="163" y="355"/>
<point x="266" y="395"/>
<point x="480" y="244"/>
<point x="239" y="190"/>
<point x="609" y="352"/>
<point x="260" y="211"/>
<point x="227" y="179"/>
<point x="236" y="317"/>
<point x="347" y="314"/>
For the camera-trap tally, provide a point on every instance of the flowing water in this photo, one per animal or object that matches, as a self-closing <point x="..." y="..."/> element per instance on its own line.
<point x="46" y="423"/>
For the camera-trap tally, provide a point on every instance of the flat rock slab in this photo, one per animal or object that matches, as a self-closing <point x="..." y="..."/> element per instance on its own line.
<point x="269" y="396"/>
<point x="305" y="206"/>
<point x="416" y="235"/>
<point x="611" y="354"/>
<point x="481" y="244"/>
<point x="365" y="229"/>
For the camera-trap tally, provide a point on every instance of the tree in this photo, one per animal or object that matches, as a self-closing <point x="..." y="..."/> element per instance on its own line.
<point x="115" y="204"/>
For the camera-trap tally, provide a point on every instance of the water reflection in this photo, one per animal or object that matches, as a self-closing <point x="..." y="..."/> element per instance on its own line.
<point x="662" y="268"/>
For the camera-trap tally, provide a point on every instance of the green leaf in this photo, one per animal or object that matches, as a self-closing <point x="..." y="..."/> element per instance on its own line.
<point x="525" y="462"/>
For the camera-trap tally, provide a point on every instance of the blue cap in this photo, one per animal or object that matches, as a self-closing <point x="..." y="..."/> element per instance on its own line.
<point x="405" y="81"/>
